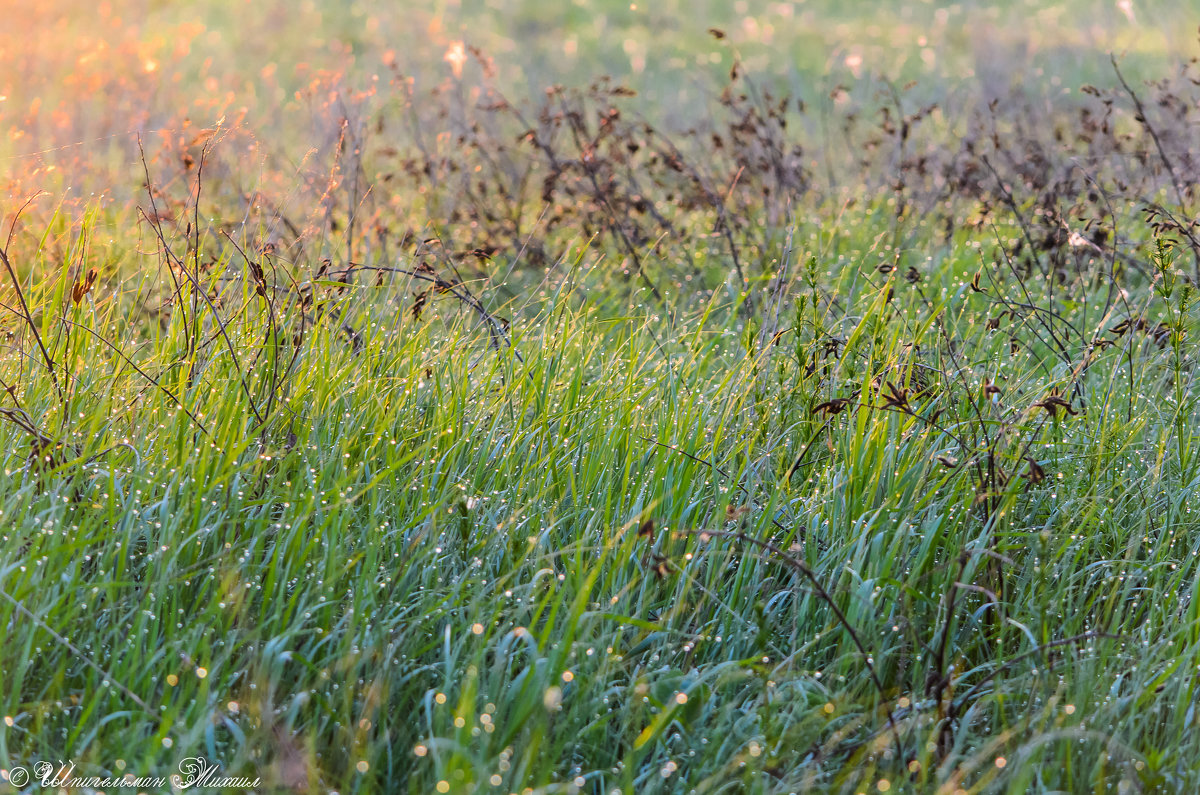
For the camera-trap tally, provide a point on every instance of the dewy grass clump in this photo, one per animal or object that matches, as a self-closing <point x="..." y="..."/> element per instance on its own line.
<point x="830" y="436"/>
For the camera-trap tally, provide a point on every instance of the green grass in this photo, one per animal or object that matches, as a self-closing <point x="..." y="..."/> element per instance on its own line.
<point x="906" y="510"/>
<point x="442" y="576"/>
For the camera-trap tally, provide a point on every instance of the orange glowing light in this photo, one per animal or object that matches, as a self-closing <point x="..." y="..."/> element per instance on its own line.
<point x="456" y="56"/>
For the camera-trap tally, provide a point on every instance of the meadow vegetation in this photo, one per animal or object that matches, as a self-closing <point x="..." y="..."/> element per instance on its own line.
<point x="763" y="397"/>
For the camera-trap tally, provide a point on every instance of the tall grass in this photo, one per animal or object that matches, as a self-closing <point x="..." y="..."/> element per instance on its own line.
<point x="615" y="459"/>
<point x="459" y="566"/>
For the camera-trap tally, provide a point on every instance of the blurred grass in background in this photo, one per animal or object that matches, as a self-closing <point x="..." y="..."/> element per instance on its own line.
<point x="80" y="73"/>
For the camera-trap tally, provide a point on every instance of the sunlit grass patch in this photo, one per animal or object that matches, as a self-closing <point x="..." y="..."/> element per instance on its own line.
<point x="372" y="421"/>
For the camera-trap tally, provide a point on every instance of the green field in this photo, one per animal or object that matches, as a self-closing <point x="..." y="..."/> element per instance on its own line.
<point x="600" y="397"/>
